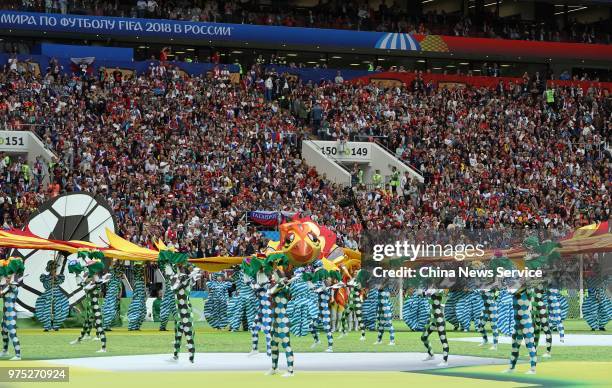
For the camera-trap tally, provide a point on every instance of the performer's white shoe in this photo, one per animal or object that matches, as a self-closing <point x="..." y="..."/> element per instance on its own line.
<point x="86" y="337"/>
<point x="494" y="347"/>
<point x="483" y="343"/>
<point x="76" y="341"/>
<point x="253" y="353"/>
<point x="271" y="372"/>
<point x="329" y="349"/>
<point x="288" y="374"/>
<point x="101" y="351"/>
<point x="16" y="358"/>
<point x="531" y="371"/>
<point x="173" y="359"/>
<point x="443" y="364"/>
<point x="429" y="357"/>
<point x="509" y="370"/>
<point x="562" y="340"/>
<point x="546" y="355"/>
<point x="361" y="338"/>
<point x="392" y="343"/>
<point x="377" y="343"/>
<point x="342" y="335"/>
<point x="95" y="339"/>
<point x="4" y="353"/>
<point x="314" y="345"/>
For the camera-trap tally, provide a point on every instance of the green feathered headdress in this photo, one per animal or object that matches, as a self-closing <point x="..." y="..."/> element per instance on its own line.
<point x="498" y="260"/>
<point x="251" y="265"/>
<point x="171" y="257"/>
<point x="546" y="255"/>
<point x="95" y="266"/>
<point x="75" y="267"/>
<point x="320" y="275"/>
<point x="15" y="265"/>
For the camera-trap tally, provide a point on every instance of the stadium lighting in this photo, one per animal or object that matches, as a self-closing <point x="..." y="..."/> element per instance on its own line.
<point x="570" y="10"/>
<point x="312" y="62"/>
<point x="236" y="52"/>
<point x="427" y="1"/>
<point x="436" y="68"/>
<point x="292" y="55"/>
<point x="354" y="64"/>
<point x="421" y="60"/>
<point x="336" y="57"/>
<point x="505" y="65"/>
<point x="464" y="63"/>
<point x="190" y="49"/>
<point x="495" y="3"/>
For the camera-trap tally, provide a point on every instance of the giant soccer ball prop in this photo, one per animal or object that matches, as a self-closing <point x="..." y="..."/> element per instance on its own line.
<point x="74" y="216"/>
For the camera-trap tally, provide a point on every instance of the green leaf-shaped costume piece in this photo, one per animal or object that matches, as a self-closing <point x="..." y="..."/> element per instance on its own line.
<point x="75" y="267"/>
<point x="321" y="274"/>
<point x="546" y="253"/>
<point x="15" y="265"/>
<point x="170" y="257"/>
<point x="501" y="261"/>
<point x="95" y="267"/>
<point x="251" y="265"/>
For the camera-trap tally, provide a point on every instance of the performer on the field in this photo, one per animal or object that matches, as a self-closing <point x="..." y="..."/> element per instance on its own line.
<point x="245" y="308"/>
<point x="338" y="303"/>
<point x="167" y="308"/>
<point x="260" y="283"/>
<point x="597" y="306"/>
<point x="489" y="314"/>
<point x="555" y="302"/>
<point x="523" y="329"/>
<point x="469" y="308"/>
<point x="91" y="282"/>
<point x="369" y="309"/>
<point x="541" y="320"/>
<point x="416" y="310"/>
<point x="322" y="290"/>
<point x="505" y="312"/>
<point x="302" y="309"/>
<point x="355" y="302"/>
<point x="538" y="256"/>
<point x="215" y="309"/>
<point x="436" y="323"/>
<point x="280" y="323"/>
<point x="52" y="306"/>
<point x="12" y="272"/>
<point x="137" y="311"/>
<point x="184" y="278"/>
<point x="111" y="309"/>
<point x="384" y="315"/>
<point x="450" y="308"/>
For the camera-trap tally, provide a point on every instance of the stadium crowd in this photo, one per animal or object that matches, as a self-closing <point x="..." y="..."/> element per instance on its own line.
<point x="354" y="14"/>
<point x="185" y="158"/>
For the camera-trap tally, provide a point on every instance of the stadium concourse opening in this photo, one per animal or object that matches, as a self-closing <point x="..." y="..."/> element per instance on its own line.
<point x="211" y="187"/>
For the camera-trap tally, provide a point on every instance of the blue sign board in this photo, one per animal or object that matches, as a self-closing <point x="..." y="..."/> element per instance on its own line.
<point x="187" y="30"/>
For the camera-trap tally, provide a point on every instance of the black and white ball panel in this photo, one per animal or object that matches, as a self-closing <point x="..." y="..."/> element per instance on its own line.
<point x="75" y="216"/>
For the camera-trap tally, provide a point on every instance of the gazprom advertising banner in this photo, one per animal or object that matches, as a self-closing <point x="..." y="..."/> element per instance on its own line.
<point x="295" y="36"/>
